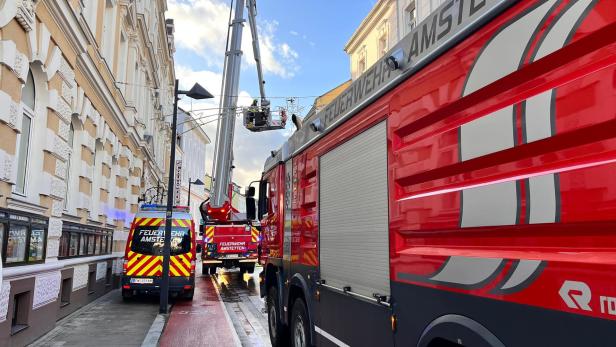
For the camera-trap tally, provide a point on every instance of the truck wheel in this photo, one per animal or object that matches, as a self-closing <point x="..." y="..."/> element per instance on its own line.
<point x="126" y="295"/>
<point x="300" y="333"/>
<point x="189" y="295"/>
<point x="278" y="332"/>
<point x="205" y="270"/>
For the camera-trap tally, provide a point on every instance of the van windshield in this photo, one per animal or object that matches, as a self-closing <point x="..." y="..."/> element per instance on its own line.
<point x="149" y="240"/>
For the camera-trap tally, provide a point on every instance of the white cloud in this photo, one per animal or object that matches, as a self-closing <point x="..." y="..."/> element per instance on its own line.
<point x="288" y="52"/>
<point x="293" y="32"/>
<point x="201" y="26"/>
<point x="250" y="149"/>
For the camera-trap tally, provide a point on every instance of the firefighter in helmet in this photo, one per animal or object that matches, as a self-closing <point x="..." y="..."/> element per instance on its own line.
<point x="252" y="112"/>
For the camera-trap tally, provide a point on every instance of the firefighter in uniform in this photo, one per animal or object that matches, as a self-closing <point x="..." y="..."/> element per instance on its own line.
<point x="252" y="114"/>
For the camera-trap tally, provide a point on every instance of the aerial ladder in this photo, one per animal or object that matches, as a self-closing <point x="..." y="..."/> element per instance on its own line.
<point x="230" y="240"/>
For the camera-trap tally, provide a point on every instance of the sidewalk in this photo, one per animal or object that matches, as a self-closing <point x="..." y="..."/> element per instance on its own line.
<point x="201" y="322"/>
<point x="107" y="321"/>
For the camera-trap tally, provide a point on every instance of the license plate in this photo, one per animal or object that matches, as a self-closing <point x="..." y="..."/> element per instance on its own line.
<point x="142" y="280"/>
<point x="232" y="256"/>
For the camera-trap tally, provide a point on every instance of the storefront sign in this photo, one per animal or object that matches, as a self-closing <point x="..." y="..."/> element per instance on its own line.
<point x="177" y="189"/>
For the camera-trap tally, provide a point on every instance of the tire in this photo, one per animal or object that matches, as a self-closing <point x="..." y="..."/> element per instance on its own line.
<point x="300" y="325"/>
<point x="279" y="334"/>
<point x="126" y="295"/>
<point x="205" y="270"/>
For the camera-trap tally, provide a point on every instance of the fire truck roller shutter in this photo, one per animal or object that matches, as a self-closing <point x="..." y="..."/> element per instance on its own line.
<point x="354" y="234"/>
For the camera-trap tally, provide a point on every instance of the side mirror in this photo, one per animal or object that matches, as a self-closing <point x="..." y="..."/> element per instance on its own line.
<point x="199" y="248"/>
<point x="251" y="207"/>
<point x="250" y="192"/>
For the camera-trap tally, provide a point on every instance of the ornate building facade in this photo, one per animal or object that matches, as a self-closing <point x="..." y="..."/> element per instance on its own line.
<point x="386" y="24"/>
<point x="85" y="86"/>
<point x="191" y="146"/>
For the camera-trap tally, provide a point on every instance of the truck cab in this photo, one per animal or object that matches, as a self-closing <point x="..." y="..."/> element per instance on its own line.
<point x="230" y="240"/>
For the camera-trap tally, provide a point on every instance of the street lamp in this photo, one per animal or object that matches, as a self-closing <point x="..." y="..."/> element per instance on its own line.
<point x="196" y="92"/>
<point x="197" y="182"/>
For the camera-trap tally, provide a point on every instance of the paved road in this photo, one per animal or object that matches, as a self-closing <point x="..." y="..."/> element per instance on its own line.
<point x="226" y="312"/>
<point x="240" y="294"/>
<point x="108" y="321"/>
<point x="227" y="298"/>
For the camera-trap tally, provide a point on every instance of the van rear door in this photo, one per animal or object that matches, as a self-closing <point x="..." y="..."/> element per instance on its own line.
<point x="146" y="247"/>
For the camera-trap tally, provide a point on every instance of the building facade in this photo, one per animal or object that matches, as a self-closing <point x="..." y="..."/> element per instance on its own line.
<point x="84" y="90"/>
<point x="386" y="24"/>
<point x="192" y="142"/>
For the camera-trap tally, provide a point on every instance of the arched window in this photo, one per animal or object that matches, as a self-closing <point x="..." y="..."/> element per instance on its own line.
<point x="28" y="97"/>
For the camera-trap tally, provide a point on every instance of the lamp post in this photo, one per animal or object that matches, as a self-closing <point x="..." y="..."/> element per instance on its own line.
<point x="196" y="92"/>
<point x="197" y="182"/>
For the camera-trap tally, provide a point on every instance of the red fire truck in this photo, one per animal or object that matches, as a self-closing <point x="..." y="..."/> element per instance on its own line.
<point x="229" y="244"/>
<point x="461" y="192"/>
<point x="230" y="239"/>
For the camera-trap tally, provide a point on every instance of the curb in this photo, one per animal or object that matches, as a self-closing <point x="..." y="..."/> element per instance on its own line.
<point x="156" y="330"/>
<point x="236" y="338"/>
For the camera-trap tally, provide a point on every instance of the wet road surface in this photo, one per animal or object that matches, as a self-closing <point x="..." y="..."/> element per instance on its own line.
<point x="246" y="309"/>
<point x="226" y="312"/>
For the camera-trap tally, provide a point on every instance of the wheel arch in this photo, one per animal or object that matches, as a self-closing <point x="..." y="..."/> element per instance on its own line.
<point x="460" y="330"/>
<point x="298" y="288"/>
<point x="273" y="277"/>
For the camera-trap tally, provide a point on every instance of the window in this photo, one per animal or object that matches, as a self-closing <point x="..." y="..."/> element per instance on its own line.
<point x="410" y="17"/>
<point x="37" y="244"/>
<point x="73" y="249"/>
<point x="19" y="316"/>
<point x="91" y="282"/>
<point x="150" y="240"/>
<point x="90" y="14"/>
<point x="91" y="244"/>
<point x="383" y="44"/>
<point x="16" y="244"/>
<point x="23" y="139"/>
<point x="22" y="238"/>
<point x="122" y="60"/>
<point x="108" y="277"/>
<point x="65" y="291"/>
<point x="103" y="243"/>
<point x="109" y="32"/>
<point x="84" y="244"/>
<point x="84" y="240"/>
<point x="64" y="243"/>
<point x="361" y="64"/>
<point x="97" y="244"/>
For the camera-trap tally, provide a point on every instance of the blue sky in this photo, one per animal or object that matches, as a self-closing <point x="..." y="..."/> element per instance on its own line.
<point x="302" y="46"/>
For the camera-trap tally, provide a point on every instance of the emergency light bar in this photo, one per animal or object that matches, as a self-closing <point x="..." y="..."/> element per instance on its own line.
<point x="157" y="207"/>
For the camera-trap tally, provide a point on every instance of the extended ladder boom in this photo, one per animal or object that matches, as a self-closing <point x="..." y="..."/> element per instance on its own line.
<point x="220" y="199"/>
<point x="252" y="20"/>
<point x="228" y="106"/>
